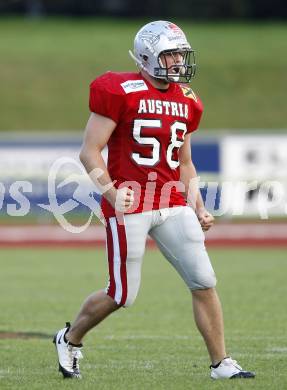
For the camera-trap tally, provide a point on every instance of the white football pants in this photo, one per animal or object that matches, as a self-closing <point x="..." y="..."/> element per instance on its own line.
<point x="178" y="235"/>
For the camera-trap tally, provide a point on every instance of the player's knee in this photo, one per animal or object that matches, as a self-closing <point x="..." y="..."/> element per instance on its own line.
<point x="204" y="281"/>
<point x="209" y="281"/>
<point x="132" y="293"/>
<point x="130" y="300"/>
<point x="122" y="301"/>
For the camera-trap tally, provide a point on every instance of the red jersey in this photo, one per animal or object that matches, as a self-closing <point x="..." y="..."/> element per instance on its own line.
<point x="151" y="126"/>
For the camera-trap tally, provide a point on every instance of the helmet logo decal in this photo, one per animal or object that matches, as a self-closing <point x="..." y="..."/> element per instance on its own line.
<point x="175" y="28"/>
<point x="149" y="37"/>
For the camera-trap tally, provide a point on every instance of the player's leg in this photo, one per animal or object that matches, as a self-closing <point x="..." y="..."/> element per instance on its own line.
<point x="209" y="320"/>
<point x="125" y="247"/>
<point x="181" y="240"/>
<point x="95" y="308"/>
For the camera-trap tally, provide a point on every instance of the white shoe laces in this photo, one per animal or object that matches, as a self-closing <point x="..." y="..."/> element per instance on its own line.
<point x="234" y="363"/>
<point x="75" y="354"/>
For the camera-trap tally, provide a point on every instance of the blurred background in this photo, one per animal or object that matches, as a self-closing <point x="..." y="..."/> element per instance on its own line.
<point x="51" y="50"/>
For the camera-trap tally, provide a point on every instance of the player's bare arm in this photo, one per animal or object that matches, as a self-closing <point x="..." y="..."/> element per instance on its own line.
<point x="188" y="177"/>
<point x="97" y="134"/>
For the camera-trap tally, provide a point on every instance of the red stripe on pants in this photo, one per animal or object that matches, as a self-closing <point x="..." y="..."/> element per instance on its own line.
<point x="119" y="283"/>
<point x="123" y="251"/>
<point x="110" y="249"/>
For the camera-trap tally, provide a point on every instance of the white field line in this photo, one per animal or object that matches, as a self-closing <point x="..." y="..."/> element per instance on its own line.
<point x="196" y="337"/>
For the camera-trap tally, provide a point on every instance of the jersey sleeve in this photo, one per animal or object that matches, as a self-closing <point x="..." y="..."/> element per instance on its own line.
<point x="195" y="108"/>
<point x="105" y="100"/>
<point x="196" y="113"/>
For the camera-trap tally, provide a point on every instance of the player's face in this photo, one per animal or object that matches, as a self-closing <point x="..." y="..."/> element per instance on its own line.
<point x="170" y="60"/>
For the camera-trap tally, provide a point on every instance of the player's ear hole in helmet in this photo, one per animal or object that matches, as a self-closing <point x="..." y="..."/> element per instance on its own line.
<point x="155" y="43"/>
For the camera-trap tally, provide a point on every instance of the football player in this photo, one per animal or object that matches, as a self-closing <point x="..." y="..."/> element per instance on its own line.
<point x="146" y="119"/>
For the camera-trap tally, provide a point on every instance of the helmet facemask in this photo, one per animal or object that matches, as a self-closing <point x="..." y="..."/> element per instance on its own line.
<point x="178" y="72"/>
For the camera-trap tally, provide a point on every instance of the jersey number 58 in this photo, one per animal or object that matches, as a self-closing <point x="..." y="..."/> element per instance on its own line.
<point x="153" y="142"/>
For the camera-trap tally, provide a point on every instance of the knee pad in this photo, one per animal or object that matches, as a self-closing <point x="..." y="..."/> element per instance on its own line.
<point x="204" y="281"/>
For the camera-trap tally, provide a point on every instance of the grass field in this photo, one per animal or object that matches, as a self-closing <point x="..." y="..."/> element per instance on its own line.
<point x="154" y="344"/>
<point x="46" y="67"/>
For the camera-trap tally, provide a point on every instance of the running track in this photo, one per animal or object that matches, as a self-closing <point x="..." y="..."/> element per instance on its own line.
<point x="222" y="234"/>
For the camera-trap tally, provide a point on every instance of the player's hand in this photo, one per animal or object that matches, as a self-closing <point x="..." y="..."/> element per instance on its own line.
<point x="206" y="220"/>
<point x="124" y="199"/>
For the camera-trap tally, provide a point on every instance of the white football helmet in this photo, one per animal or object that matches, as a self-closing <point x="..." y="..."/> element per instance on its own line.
<point x="153" y="42"/>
